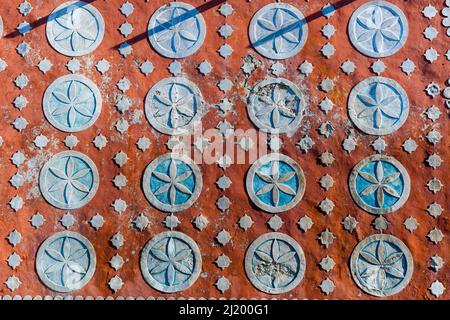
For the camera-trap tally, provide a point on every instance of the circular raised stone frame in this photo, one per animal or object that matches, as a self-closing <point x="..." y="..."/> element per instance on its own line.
<point x="83" y="259"/>
<point x="375" y="22"/>
<point x="72" y="103"/>
<point x="271" y="30"/>
<point x="181" y="99"/>
<point x="176" y="35"/>
<point x="277" y="95"/>
<point x="190" y="261"/>
<point x="75" y="40"/>
<point x="288" y="190"/>
<point x="278" y="250"/>
<point x="83" y="182"/>
<point x="192" y="183"/>
<point x="369" y="184"/>
<point x="378" y="106"/>
<point x="381" y="254"/>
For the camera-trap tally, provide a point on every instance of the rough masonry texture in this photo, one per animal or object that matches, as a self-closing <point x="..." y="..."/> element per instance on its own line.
<point x="103" y="196"/>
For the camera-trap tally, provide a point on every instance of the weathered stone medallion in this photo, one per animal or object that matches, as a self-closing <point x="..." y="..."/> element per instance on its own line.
<point x="172" y="182"/>
<point x="69" y="180"/>
<point x="72" y="103"/>
<point x="275" y="263"/>
<point x="171" y="262"/>
<point x="381" y="265"/>
<point x="65" y="262"/>
<point x="275" y="183"/>
<point x="276" y="105"/>
<point x="378" y="106"/>
<point x="278" y="31"/>
<point x="379" y="184"/>
<point x="174" y="106"/>
<point x="75" y="28"/>
<point x="176" y="30"/>
<point x="378" y="29"/>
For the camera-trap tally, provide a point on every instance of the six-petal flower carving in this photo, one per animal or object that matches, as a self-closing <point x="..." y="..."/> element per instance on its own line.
<point x="69" y="180"/>
<point x="170" y="261"/>
<point x="380" y="184"/>
<point x="381" y="266"/>
<point x="275" y="183"/>
<point x="276" y="264"/>
<point x="179" y="30"/>
<point x="177" y="107"/>
<point x="79" y="28"/>
<point x="65" y="262"/>
<point x="378" y="28"/>
<point x="380" y="103"/>
<point x="280" y="103"/>
<point x="281" y="29"/>
<point x="173" y="182"/>
<point x="72" y="102"/>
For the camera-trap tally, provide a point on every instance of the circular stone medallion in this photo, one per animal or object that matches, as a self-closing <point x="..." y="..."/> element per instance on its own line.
<point x="381" y="265"/>
<point x="69" y="180"/>
<point x="278" y="31"/>
<point x="378" y="29"/>
<point x="378" y="106"/>
<point x="276" y="105"/>
<point x="72" y="103"/>
<point x="379" y="184"/>
<point x="171" y="262"/>
<point x="172" y="182"/>
<point x="275" y="263"/>
<point x="176" y="30"/>
<point x="75" y="28"/>
<point x="65" y="261"/>
<point x="174" y="106"/>
<point x="275" y="183"/>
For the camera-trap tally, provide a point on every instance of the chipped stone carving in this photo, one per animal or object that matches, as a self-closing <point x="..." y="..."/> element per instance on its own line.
<point x="171" y="262"/>
<point x="276" y="105"/>
<point x="381" y="265"/>
<point x="275" y="263"/>
<point x="174" y="106"/>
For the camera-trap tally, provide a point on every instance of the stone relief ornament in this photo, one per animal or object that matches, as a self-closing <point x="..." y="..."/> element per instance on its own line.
<point x="381" y="265"/>
<point x="75" y="28"/>
<point x="276" y="105"/>
<point x="176" y="30"/>
<point x="275" y="183"/>
<point x="174" y="106"/>
<point x="65" y="262"/>
<point x="378" y="29"/>
<point x="72" y="103"/>
<point x="278" y="31"/>
<point x="171" y="262"/>
<point x="378" y="106"/>
<point x="275" y="263"/>
<point x="69" y="180"/>
<point x="172" y="182"/>
<point x="379" y="184"/>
